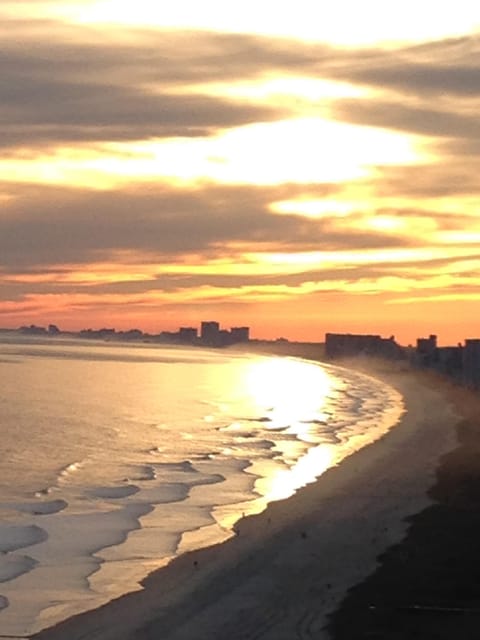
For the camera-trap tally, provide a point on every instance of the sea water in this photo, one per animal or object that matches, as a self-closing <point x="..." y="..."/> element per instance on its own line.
<point x="116" y="458"/>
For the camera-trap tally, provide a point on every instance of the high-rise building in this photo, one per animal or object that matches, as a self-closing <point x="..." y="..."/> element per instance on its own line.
<point x="471" y="362"/>
<point x="210" y="332"/>
<point x="187" y="334"/>
<point x="240" y="334"/>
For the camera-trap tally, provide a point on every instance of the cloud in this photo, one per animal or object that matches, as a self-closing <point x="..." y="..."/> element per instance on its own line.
<point x="141" y="84"/>
<point x="445" y="68"/>
<point x="35" y="109"/>
<point x="48" y="226"/>
<point x="174" y="58"/>
<point x="444" y="179"/>
<point x="467" y="150"/>
<point x="421" y="120"/>
<point x="65" y="86"/>
<point x="53" y="90"/>
<point x="431" y="90"/>
<point x="417" y="78"/>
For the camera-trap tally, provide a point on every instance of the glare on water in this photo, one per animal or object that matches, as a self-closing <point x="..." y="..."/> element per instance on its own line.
<point x="123" y="457"/>
<point x="294" y="390"/>
<point x="296" y="393"/>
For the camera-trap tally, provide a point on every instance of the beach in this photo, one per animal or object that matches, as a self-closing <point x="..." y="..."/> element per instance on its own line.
<point x="343" y="557"/>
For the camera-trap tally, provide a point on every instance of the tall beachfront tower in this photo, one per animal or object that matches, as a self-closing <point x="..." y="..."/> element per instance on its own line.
<point x="240" y="334"/>
<point x="210" y="333"/>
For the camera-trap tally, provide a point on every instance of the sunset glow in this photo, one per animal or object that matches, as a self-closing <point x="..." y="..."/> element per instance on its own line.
<point x="276" y="166"/>
<point x="309" y="21"/>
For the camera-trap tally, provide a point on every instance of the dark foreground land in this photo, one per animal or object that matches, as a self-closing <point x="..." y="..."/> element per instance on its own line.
<point x="428" y="586"/>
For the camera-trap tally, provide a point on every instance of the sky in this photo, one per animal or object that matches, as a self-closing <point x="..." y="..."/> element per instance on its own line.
<point x="295" y="167"/>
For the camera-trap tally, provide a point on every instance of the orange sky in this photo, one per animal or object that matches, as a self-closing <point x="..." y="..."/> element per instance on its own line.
<point x="300" y="173"/>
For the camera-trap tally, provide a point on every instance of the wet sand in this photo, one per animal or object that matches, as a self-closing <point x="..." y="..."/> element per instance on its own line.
<point x="288" y="571"/>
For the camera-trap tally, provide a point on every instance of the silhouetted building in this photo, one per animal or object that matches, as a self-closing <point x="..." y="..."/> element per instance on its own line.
<point x="346" y="345"/>
<point x="98" y="334"/>
<point x="167" y="336"/>
<point x="131" y="334"/>
<point x="462" y="363"/>
<point x="33" y="330"/>
<point x="224" y="338"/>
<point x="471" y="362"/>
<point x="449" y="360"/>
<point x="426" y="352"/>
<point x="239" y="334"/>
<point x="210" y="333"/>
<point x="187" y="334"/>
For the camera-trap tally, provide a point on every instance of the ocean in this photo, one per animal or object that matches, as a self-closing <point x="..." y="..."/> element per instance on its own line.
<point x="117" y="458"/>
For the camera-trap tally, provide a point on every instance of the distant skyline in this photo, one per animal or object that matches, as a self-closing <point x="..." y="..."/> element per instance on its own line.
<point x="242" y="333"/>
<point x="298" y="168"/>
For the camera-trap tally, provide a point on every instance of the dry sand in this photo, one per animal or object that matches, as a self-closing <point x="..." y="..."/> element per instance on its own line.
<point x="290" y="567"/>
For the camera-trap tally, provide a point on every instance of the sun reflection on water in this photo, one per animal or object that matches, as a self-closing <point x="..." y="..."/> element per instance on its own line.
<point x="284" y="483"/>
<point x="289" y="390"/>
<point x="291" y="395"/>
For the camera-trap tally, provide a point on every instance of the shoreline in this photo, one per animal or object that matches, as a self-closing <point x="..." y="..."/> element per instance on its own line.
<point x="427" y="586"/>
<point x="289" y="568"/>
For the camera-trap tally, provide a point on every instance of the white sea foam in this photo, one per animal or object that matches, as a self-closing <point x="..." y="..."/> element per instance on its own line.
<point x="145" y="472"/>
<point x="135" y="474"/>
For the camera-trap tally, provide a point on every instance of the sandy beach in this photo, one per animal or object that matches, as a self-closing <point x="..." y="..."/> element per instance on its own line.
<point x="373" y="549"/>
